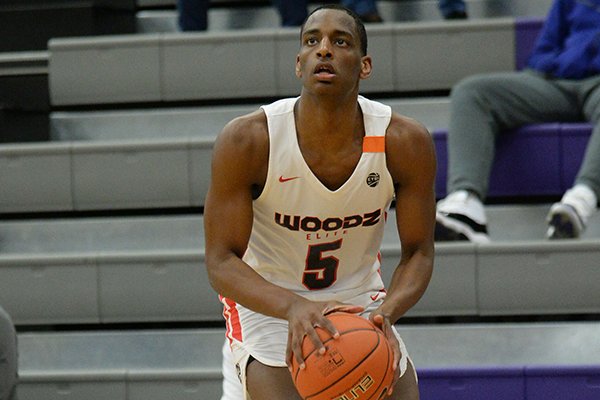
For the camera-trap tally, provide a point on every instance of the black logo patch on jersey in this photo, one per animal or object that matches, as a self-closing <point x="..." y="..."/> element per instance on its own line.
<point x="373" y="179"/>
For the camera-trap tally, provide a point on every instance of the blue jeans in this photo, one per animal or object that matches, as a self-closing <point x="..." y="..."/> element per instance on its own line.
<point x="448" y="6"/>
<point x="292" y="12"/>
<point x="193" y="15"/>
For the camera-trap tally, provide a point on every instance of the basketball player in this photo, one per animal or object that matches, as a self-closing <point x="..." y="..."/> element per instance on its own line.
<point x="295" y="212"/>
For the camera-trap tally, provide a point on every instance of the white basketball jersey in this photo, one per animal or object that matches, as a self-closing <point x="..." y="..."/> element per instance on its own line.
<point x="319" y="243"/>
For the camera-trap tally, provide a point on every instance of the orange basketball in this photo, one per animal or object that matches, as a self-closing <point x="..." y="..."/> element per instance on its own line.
<point x="356" y="366"/>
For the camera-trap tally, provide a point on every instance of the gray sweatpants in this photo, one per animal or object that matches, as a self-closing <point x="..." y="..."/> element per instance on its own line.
<point x="8" y="358"/>
<point x="483" y="106"/>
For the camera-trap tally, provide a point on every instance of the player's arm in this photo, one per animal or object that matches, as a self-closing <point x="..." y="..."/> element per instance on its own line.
<point x="239" y="166"/>
<point x="411" y="161"/>
<point x="412" y="164"/>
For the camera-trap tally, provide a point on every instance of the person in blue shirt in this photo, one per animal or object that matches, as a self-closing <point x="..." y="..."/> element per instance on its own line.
<point x="560" y="84"/>
<point x="8" y="358"/>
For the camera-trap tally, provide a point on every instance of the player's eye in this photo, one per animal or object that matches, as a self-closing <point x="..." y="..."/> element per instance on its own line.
<point x="340" y="42"/>
<point x="311" y="41"/>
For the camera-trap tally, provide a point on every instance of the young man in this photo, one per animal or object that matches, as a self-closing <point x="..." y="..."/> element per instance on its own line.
<point x="295" y="213"/>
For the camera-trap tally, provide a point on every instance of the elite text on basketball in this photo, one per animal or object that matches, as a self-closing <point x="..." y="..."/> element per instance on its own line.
<point x="357" y="390"/>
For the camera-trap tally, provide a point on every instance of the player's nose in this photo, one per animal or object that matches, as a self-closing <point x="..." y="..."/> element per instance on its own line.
<point x="324" y="50"/>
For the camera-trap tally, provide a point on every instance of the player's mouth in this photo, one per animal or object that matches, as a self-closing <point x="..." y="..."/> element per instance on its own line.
<point x="324" y="71"/>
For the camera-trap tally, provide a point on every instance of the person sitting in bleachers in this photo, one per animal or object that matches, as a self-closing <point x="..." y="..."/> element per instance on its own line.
<point x="193" y="14"/>
<point x="8" y="358"/>
<point x="561" y="84"/>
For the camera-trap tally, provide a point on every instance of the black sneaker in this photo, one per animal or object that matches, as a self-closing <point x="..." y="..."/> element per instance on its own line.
<point x="568" y="218"/>
<point x="564" y="222"/>
<point x="461" y="216"/>
<point x="456" y="15"/>
<point x="456" y="227"/>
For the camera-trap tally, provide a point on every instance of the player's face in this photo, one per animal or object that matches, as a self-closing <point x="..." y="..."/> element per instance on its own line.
<point x="330" y="54"/>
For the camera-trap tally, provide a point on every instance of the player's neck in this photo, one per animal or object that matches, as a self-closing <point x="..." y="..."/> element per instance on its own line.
<point x="320" y="127"/>
<point x="323" y="113"/>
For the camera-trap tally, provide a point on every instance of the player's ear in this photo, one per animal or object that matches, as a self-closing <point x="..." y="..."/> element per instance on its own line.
<point x="366" y="67"/>
<point x="298" y="69"/>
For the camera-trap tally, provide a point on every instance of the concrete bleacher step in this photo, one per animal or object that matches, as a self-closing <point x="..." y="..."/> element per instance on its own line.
<point x="466" y="360"/>
<point x="105" y="259"/>
<point x="100" y="160"/>
<point x="164" y="66"/>
<point x="207" y="121"/>
<point x="123" y="269"/>
<point x="121" y="365"/>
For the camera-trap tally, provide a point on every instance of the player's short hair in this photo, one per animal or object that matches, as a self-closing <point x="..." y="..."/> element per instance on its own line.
<point x="360" y="27"/>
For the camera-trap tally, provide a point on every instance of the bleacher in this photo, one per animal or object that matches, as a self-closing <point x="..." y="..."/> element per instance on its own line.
<point x="101" y="240"/>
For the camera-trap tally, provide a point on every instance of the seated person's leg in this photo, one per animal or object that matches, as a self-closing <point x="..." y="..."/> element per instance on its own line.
<point x="481" y="108"/>
<point x="569" y="217"/>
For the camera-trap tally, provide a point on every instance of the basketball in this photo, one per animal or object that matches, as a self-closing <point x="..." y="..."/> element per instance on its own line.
<point x="358" y="365"/>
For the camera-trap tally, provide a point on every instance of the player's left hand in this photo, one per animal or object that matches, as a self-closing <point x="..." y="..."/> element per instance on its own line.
<point x="383" y="322"/>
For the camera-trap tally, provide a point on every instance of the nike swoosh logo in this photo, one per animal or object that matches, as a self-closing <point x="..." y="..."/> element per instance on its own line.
<point x="282" y="179"/>
<point x="376" y="295"/>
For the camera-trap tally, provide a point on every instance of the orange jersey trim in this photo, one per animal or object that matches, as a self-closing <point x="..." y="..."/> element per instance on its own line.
<point x="374" y="144"/>
<point x="232" y="319"/>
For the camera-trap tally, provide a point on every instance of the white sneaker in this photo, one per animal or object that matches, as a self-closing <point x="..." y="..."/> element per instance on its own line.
<point x="461" y="216"/>
<point x="568" y="218"/>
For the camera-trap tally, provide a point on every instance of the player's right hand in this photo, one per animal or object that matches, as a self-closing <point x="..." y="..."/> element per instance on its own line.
<point x="383" y="322"/>
<point x="303" y="317"/>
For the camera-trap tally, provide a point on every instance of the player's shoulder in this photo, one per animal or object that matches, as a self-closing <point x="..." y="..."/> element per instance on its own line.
<point x="404" y="130"/>
<point x="409" y="149"/>
<point x="248" y="126"/>
<point x="245" y="141"/>
<point x="246" y="132"/>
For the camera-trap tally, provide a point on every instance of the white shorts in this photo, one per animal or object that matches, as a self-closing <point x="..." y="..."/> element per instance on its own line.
<point x="232" y="386"/>
<point x="265" y="339"/>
